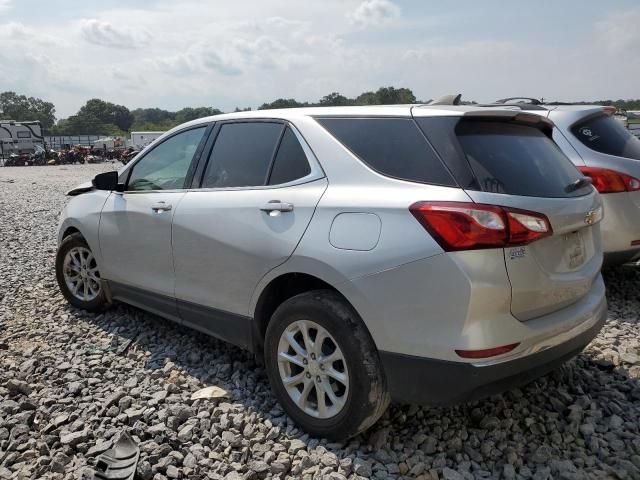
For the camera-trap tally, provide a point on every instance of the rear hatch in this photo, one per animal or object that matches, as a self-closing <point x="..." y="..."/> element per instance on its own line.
<point x="507" y="158"/>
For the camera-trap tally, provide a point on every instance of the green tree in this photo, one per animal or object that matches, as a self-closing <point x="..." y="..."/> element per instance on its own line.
<point x="97" y="111"/>
<point x="282" y="103"/>
<point x="334" y="100"/>
<point x="187" y="114"/>
<point x="23" y="108"/>
<point x="386" y="96"/>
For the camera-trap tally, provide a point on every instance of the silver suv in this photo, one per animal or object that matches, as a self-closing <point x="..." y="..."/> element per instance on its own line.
<point x="425" y="254"/>
<point x="604" y="150"/>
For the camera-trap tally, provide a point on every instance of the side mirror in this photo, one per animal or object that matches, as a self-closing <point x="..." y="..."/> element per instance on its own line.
<point x="107" y="181"/>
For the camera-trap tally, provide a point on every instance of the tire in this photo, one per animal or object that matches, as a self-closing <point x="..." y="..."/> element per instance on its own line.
<point x="76" y="252"/>
<point x="360" y="400"/>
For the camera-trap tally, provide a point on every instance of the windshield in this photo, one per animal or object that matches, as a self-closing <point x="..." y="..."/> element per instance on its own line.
<point x="604" y="134"/>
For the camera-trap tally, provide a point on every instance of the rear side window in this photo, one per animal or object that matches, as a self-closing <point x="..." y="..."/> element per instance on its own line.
<point x="517" y="160"/>
<point x="291" y="162"/>
<point x="392" y="146"/>
<point x="604" y="134"/>
<point x="242" y="154"/>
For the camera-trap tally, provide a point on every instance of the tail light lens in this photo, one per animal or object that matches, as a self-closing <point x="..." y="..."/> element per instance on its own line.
<point x="610" y="181"/>
<point x="471" y="226"/>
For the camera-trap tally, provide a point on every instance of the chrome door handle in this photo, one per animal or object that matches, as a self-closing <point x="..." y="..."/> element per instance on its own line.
<point x="161" y="207"/>
<point x="275" y="207"/>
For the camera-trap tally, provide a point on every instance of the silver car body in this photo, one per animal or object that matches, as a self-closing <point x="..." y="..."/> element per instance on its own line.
<point x="621" y="224"/>
<point x="208" y="261"/>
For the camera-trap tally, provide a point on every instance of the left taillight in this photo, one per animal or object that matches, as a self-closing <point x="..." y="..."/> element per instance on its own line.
<point x="471" y="226"/>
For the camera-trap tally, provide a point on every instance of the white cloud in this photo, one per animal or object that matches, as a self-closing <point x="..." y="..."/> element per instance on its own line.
<point x="620" y="30"/>
<point x="374" y="12"/>
<point x="106" y="34"/>
<point x="4" y="4"/>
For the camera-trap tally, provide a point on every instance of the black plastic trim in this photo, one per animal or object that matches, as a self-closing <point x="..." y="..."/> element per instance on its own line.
<point x="429" y="381"/>
<point x="227" y="326"/>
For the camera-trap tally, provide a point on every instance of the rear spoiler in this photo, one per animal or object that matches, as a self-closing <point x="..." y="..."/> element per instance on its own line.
<point x="511" y="115"/>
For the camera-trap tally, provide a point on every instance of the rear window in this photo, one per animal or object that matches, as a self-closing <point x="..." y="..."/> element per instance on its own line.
<point x="392" y="146"/>
<point x="507" y="158"/>
<point x="604" y="134"/>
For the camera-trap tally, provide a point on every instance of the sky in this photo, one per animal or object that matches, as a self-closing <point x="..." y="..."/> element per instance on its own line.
<point x="223" y="54"/>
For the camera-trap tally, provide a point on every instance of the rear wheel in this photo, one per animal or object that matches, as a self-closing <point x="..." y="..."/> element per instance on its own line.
<point x="78" y="274"/>
<point x="324" y="367"/>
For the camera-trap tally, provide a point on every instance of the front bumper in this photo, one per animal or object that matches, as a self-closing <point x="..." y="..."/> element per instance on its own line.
<point x="427" y="381"/>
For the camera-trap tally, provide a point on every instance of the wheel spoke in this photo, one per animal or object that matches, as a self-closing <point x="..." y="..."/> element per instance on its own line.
<point x="333" y="373"/>
<point x="294" y="380"/>
<point x="322" y="403"/>
<point x="308" y="344"/>
<point x="291" y="359"/>
<point x="304" y="395"/>
<point x="332" y="357"/>
<point x="321" y="336"/>
<point x="326" y="385"/>
<point x="295" y="345"/>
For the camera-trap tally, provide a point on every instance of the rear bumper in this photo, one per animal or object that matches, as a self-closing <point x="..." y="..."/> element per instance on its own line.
<point x="427" y="381"/>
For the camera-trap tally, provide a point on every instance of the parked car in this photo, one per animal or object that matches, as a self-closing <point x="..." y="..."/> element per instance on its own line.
<point x="607" y="152"/>
<point x="430" y="254"/>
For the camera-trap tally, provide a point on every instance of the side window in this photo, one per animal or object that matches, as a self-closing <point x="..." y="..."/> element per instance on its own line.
<point x="291" y="162"/>
<point x="392" y="146"/>
<point x="242" y="154"/>
<point x="166" y="166"/>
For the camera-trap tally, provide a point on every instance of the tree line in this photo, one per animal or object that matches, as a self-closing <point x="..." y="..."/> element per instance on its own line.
<point x="106" y="118"/>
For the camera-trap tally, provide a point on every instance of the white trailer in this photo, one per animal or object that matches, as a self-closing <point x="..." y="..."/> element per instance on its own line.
<point x="19" y="137"/>
<point x="142" y="139"/>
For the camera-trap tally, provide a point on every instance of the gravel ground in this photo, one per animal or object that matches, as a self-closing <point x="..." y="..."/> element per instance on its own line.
<point x="68" y="387"/>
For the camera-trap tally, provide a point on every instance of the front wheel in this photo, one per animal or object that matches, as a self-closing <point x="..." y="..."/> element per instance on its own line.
<point x="324" y="367"/>
<point x="78" y="274"/>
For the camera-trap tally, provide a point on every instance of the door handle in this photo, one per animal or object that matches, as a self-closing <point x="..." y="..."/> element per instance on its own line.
<point x="161" y="207"/>
<point x="275" y="207"/>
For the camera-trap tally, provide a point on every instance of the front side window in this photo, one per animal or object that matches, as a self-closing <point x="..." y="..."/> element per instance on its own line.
<point x="166" y="166"/>
<point x="242" y="154"/>
<point x="607" y="135"/>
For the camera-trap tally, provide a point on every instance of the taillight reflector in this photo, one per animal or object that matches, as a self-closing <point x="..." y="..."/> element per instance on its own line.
<point x="610" y="181"/>
<point x="486" y="353"/>
<point x="470" y="226"/>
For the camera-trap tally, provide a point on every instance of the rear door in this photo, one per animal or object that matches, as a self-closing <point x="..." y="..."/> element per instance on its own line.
<point x="257" y="193"/>
<point x="517" y="165"/>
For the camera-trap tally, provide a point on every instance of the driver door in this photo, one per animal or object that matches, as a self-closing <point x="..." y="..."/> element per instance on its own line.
<point x="135" y="225"/>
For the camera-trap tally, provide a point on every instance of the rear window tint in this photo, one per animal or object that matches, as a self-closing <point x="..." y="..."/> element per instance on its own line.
<point x="392" y="146"/>
<point x="605" y="134"/>
<point x="517" y="160"/>
<point x="290" y="163"/>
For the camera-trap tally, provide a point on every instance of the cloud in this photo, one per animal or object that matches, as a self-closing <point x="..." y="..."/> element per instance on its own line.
<point x="4" y="5"/>
<point x="374" y="12"/>
<point x="213" y="61"/>
<point x="105" y="34"/>
<point x="620" y="30"/>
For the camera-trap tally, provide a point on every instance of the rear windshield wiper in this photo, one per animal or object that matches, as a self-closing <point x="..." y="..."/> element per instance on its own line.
<point x="578" y="184"/>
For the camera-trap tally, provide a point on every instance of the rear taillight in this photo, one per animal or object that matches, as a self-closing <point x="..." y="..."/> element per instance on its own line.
<point x="610" y="181"/>
<point x="471" y="226"/>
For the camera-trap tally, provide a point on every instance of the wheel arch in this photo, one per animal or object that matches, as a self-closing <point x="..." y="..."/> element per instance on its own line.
<point x="279" y="289"/>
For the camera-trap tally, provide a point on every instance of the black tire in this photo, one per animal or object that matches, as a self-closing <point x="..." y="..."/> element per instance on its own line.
<point x="367" y="397"/>
<point x="95" y="305"/>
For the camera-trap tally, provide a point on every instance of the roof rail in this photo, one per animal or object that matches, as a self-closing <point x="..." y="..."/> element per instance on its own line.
<point x="521" y="106"/>
<point x="529" y="100"/>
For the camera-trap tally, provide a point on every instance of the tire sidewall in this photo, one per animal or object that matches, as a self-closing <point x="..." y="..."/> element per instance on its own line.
<point x="73" y="241"/>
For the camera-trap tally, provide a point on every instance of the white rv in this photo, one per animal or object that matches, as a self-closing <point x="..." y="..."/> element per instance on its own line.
<point x="142" y="139"/>
<point x="19" y="137"/>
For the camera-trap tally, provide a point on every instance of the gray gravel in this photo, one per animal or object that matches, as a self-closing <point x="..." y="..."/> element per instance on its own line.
<point x="68" y="388"/>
